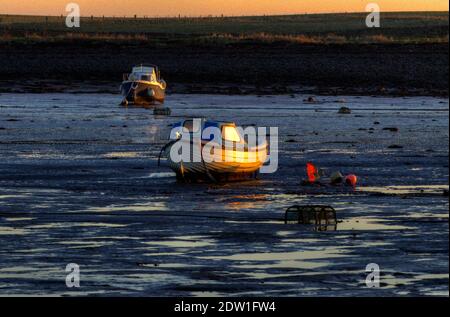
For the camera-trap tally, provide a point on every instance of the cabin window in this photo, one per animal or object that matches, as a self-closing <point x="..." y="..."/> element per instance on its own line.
<point x="145" y="77"/>
<point x="230" y="133"/>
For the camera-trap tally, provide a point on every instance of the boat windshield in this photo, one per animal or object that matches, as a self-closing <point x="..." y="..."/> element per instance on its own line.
<point x="230" y="133"/>
<point x="143" y="73"/>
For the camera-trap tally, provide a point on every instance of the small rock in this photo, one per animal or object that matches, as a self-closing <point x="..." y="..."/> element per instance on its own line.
<point x="164" y="111"/>
<point x="376" y="122"/>
<point x="344" y="110"/>
<point x="392" y="129"/>
<point x="395" y="146"/>
<point x="310" y="100"/>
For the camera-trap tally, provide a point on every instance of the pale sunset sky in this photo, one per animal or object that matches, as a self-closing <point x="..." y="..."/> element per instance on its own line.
<point x="212" y="7"/>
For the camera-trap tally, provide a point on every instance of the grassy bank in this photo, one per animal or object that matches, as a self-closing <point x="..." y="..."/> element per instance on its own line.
<point x="415" y="27"/>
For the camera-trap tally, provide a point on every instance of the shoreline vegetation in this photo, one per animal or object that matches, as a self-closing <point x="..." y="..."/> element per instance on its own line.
<point x="407" y="55"/>
<point x="216" y="39"/>
<point x="350" y="28"/>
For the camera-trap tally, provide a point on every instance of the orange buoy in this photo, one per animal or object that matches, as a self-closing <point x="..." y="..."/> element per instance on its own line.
<point x="351" y="180"/>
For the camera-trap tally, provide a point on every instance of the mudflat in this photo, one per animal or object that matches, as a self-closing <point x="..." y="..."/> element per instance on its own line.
<point x="79" y="183"/>
<point x="383" y="69"/>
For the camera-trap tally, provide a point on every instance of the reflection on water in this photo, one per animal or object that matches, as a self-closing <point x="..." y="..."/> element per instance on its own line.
<point x="206" y="294"/>
<point x="55" y="225"/>
<point x="123" y="155"/>
<point x="282" y="264"/>
<point x="403" y="190"/>
<point x="417" y="215"/>
<point x="162" y="175"/>
<point x="305" y="259"/>
<point x="393" y="282"/>
<point x="138" y="207"/>
<point x="323" y="253"/>
<point x="241" y="202"/>
<point x="369" y="223"/>
<point x="159" y="254"/>
<point x="14" y="196"/>
<point x="183" y="242"/>
<point x="84" y="244"/>
<point x="12" y="231"/>
<point x="19" y="219"/>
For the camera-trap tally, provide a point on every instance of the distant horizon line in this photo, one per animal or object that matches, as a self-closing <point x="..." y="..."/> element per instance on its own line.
<point x="217" y="16"/>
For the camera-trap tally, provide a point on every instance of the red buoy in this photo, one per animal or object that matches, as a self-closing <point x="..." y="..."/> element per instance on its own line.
<point x="313" y="173"/>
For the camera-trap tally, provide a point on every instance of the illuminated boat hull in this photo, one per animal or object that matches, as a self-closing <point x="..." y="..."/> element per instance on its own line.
<point x="219" y="165"/>
<point x="143" y="93"/>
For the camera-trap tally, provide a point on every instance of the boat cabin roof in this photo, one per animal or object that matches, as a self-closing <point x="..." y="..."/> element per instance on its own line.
<point x="145" y="69"/>
<point x="228" y="129"/>
<point x="205" y="123"/>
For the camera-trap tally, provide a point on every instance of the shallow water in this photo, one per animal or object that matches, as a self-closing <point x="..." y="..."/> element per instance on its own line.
<point x="79" y="183"/>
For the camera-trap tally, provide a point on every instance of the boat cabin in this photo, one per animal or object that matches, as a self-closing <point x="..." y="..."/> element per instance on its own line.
<point x="144" y="73"/>
<point x="228" y="130"/>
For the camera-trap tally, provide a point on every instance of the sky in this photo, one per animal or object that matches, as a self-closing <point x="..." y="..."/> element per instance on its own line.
<point x="212" y="7"/>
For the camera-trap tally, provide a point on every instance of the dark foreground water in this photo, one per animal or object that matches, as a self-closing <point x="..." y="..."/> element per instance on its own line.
<point x="79" y="183"/>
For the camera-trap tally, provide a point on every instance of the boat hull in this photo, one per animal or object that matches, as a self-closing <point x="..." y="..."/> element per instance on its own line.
<point x="142" y="93"/>
<point x="202" y="169"/>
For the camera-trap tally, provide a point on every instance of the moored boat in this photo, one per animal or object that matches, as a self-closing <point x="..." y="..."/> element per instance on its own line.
<point x="143" y="86"/>
<point x="226" y="156"/>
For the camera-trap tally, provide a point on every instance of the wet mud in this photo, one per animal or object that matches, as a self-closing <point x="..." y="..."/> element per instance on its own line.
<point x="79" y="183"/>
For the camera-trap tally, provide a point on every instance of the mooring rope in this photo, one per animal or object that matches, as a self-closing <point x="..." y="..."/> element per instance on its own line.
<point x="164" y="148"/>
<point x="132" y="87"/>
